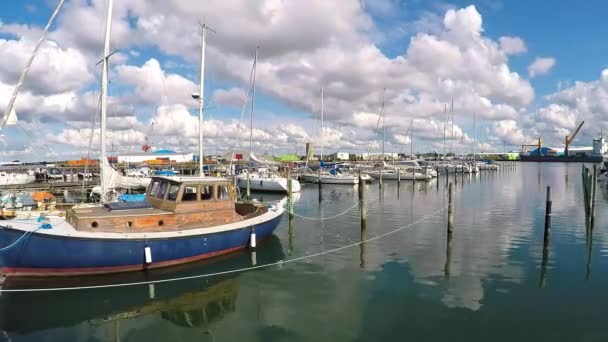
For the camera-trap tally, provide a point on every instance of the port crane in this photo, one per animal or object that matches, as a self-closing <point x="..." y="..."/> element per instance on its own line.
<point x="537" y="145"/>
<point x="569" y="139"/>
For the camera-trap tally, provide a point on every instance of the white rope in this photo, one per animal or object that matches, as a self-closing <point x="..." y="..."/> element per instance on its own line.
<point x="11" y="101"/>
<point x="280" y="262"/>
<point x="322" y="218"/>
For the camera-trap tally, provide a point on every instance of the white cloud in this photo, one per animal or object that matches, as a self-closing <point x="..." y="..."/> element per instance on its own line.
<point x="154" y="86"/>
<point x="512" y="45"/>
<point x="541" y="66"/>
<point x="231" y="97"/>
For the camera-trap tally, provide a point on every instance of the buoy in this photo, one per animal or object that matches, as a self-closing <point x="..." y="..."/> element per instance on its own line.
<point x="252" y="240"/>
<point x="148" y="254"/>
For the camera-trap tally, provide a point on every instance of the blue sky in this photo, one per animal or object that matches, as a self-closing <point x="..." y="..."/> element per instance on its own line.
<point x="423" y="52"/>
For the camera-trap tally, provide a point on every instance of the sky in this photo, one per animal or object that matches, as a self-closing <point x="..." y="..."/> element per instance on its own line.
<point x="514" y="71"/>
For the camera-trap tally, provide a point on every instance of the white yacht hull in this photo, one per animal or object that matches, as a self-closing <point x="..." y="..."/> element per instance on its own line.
<point x="330" y="179"/>
<point x="266" y="184"/>
<point x="16" y="179"/>
<point x="402" y="176"/>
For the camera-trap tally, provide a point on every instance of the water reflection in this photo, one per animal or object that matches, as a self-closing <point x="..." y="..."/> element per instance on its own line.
<point x="195" y="303"/>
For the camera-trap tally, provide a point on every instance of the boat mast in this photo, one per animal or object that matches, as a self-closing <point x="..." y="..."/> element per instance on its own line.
<point x="10" y="116"/>
<point x="383" y="127"/>
<point x="201" y="101"/>
<point x="452" y="140"/>
<point x="412" y="139"/>
<point x="474" y="134"/>
<point x="255" y="67"/>
<point x="445" y="114"/>
<point x="104" y="102"/>
<point x="322" y="127"/>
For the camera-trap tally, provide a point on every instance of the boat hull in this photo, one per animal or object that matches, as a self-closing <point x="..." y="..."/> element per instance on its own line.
<point x="331" y="179"/>
<point x="402" y="176"/>
<point x="267" y="184"/>
<point x="17" y="179"/>
<point x="49" y="255"/>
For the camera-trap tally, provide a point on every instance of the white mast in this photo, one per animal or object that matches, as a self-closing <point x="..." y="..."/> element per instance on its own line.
<point x="412" y="139"/>
<point x="10" y="117"/>
<point x="445" y="114"/>
<point x="322" y="127"/>
<point x="201" y="101"/>
<point x="104" y="103"/>
<point x="381" y="116"/>
<point x="452" y="139"/>
<point x="255" y="67"/>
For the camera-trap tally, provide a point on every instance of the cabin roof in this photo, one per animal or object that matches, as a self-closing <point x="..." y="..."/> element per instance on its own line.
<point x="191" y="179"/>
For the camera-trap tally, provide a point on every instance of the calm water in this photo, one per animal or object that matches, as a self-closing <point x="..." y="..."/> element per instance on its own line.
<point x="487" y="284"/>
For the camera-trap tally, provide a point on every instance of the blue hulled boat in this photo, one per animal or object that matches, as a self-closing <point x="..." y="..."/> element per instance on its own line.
<point x="183" y="219"/>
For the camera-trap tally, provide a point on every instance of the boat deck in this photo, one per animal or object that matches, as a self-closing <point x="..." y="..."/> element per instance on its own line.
<point x="60" y="227"/>
<point x="98" y="211"/>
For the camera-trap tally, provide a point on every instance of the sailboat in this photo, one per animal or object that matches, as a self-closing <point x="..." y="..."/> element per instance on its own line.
<point x="263" y="179"/>
<point x="333" y="176"/>
<point x="182" y="219"/>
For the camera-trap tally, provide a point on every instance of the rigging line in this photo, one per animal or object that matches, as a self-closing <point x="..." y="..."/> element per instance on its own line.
<point x="238" y="129"/>
<point x="45" y="31"/>
<point x="86" y="165"/>
<point x="238" y="270"/>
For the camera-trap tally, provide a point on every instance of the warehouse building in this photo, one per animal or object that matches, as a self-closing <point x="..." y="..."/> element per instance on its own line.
<point x="160" y="155"/>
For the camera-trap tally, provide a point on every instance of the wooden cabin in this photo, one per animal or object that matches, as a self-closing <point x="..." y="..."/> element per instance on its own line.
<point x="171" y="203"/>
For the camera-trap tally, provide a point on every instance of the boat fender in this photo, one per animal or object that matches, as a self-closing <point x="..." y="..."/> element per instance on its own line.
<point x="252" y="242"/>
<point x="148" y="254"/>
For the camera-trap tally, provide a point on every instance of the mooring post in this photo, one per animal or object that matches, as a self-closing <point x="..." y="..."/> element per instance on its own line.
<point x="543" y="267"/>
<point x="380" y="177"/>
<point x="361" y="184"/>
<point x="290" y="208"/>
<point x="548" y="214"/>
<point x="450" y="209"/>
<point x="363" y="226"/>
<point x="399" y="176"/>
<point x="593" y="186"/>
<point x="448" y="257"/>
<point x="290" y="195"/>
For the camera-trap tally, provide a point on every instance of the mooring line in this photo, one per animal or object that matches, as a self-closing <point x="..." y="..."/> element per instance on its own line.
<point x="322" y="218"/>
<point x="277" y="263"/>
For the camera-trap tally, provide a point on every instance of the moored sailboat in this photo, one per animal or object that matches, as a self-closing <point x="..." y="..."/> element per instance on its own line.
<point x="182" y="219"/>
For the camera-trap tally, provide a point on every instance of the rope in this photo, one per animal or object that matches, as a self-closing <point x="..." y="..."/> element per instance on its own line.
<point x="21" y="238"/>
<point x="280" y="262"/>
<point x="322" y="218"/>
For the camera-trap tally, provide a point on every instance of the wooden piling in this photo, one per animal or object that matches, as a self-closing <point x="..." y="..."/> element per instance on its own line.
<point x="289" y="196"/>
<point x="450" y="209"/>
<point x="380" y="178"/>
<point x="548" y="213"/>
<point x="448" y="257"/>
<point x="398" y="175"/>
<point x="291" y="228"/>
<point x="363" y="209"/>
<point x="593" y="187"/>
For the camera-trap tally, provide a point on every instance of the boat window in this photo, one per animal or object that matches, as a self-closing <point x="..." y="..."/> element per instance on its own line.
<point x="153" y="189"/>
<point x="162" y="189"/>
<point x="173" y="190"/>
<point x="206" y="192"/>
<point x="189" y="194"/>
<point x="222" y="192"/>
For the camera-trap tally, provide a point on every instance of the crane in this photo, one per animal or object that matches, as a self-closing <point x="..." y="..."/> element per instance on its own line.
<point x="537" y="145"/>
<point x="569" y="139"/>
